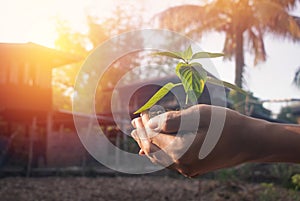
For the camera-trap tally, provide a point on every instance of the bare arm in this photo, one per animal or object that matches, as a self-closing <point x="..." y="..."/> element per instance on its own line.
<point x="279" y="143"/>
<point x="243" y="139"/>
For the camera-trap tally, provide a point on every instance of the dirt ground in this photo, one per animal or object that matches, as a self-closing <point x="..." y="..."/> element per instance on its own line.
<point x="137" y="188"/>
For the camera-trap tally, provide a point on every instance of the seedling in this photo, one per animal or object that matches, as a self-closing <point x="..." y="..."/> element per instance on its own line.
<point x="192" y="75"/>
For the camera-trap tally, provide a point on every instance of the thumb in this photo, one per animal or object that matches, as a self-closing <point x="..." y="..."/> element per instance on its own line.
<point x="174" y="121"/>
<point x="168" y="122"/>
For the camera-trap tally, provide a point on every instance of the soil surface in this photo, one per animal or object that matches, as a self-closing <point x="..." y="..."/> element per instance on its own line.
<point x="137" y="188"/>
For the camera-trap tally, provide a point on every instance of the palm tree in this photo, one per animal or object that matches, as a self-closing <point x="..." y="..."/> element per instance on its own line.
<point x="244" y="22"/>
<point x="297" y="78"/>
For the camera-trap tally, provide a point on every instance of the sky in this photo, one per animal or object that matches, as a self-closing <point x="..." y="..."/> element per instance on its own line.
<point x="34" y="21"/>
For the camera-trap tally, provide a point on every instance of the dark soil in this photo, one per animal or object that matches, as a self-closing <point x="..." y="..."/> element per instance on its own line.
<point x="137" y="188"/>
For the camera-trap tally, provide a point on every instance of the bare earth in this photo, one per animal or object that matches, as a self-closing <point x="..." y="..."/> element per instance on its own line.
<point x="137" y="188"/>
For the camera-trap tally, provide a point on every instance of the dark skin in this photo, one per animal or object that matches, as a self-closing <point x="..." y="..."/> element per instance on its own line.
<point x="243" y="139"/>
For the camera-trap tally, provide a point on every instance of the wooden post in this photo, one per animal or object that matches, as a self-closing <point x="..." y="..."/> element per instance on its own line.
<point x="32" y="132"/>
<point x="117" y="159"/>
<point x="85" y="154"/>
<point x="49" y="125"/>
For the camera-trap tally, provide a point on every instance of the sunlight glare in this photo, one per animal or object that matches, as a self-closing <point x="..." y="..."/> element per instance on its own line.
<point x="33" y="20"/>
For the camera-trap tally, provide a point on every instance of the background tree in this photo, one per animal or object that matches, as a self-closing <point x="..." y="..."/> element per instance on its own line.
<point x="73" y="42"/>
<point x="244" y="23"/>
<point x="285" y="114"/>
<point x="99" y="30"/>
<point x="81" y="43"/>
<point x="296" y="80"/>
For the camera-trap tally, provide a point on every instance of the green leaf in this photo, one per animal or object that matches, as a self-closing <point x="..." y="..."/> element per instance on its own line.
<point x="225" y="84"/>
<point x="180" y="65"/>
<point x="156" y="97"/>
<point x="175" y="55"/>
<point x="187" y="54"/>
<point x="197" y="65"/>
<point x="201" y="55"/>
<point x="193" y="79"/>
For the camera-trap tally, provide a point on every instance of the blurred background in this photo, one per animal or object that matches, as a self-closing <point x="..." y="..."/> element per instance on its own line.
<point x="43" y="45"/>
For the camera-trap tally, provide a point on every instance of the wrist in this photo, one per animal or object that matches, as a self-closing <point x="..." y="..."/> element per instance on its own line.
<point x="254" y="137"/>
<point x="272" y="142"/>
<point x="282" y="143"/>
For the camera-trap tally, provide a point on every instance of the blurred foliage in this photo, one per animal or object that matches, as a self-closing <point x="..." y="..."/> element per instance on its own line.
<point x="286" y="114"/>
<point x="82" y="44"/>
<point x="282" y="173"/>
<point x="296" y="181"/>
<point x="229" y="174"/>
<point x="122" y="20"/>
<point x="269" y="193"/>
<point x="279" y="174"/>
<point x="248" y="104"/>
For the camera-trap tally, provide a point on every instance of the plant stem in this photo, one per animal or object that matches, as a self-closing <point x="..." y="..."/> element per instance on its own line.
<point x="186" y="99"/>
<point x="178" y="84"/>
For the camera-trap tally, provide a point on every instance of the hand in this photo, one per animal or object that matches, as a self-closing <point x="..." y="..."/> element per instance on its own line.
<point x="160" y="141"/>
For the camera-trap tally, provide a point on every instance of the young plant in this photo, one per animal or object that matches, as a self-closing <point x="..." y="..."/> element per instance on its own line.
<point x="192" y="75"/>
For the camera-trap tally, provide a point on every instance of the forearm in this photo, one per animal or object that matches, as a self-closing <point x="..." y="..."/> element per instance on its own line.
<point x="275" y="142"/>
<point x="243" y="139"/>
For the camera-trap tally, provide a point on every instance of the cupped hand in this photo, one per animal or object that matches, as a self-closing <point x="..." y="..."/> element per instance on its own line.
<point x="165" y="140"/>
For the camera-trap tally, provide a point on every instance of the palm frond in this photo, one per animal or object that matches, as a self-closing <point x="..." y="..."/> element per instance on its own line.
<point x="257" y="45"/>
<point x="275" y="19"/>
<point x="288" y="4"/>
<point x="181" y="17"/>
<point x="229" y="46"/>
<point x="296" y="80"/>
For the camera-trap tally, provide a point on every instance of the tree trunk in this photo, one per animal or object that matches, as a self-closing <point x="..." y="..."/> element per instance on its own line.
<point x="239" y="58"/>
<point x="239" y="69"/>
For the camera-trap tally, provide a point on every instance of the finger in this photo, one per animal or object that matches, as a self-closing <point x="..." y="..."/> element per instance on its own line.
<point x="141" y="132"/>
<point x="133" y="123"/>
<point x="163" y="141"/>
<point x="160" y="157"/>
<point x="135" y="137"/>
<point x="142" y="144"/>
<point x="167" y="122"/>
<point x="174" y="121"/>
<point x="141" y="152"/>
<point x="145" y="119"/>
<point x="160" y="141"/>
<point x="152" y="151"/>
<point x="142" y="136"/>
<point x="147" y="147"/>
